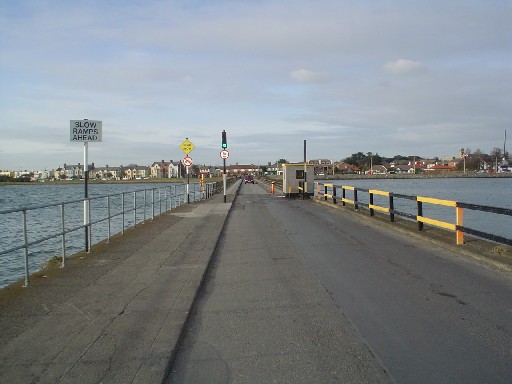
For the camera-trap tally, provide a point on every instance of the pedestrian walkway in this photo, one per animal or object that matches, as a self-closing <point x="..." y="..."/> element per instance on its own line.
<point x="115" y="316"/>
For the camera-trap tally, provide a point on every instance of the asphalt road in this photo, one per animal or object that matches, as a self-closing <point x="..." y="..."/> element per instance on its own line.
<point x="425" y="314"/>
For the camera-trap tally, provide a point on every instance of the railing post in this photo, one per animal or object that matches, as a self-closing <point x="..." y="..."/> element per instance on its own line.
<point x="372" y="211"/>
<point x="356" y="206"/>
<point x="25" y="238"/>
<point x="145" y="204"/>
<point x="420" y="213"/>
<point x="325" y="192"/>
<point x="108" y="215"/>
<point x="153" y="204"/>
<point x="343" y="195"/>
<point x="89" y="221"/>
<point x="63" y="264"/>
<point x="334" y="200"/>
<point x="134" y="209"/>
<point x="391" y="208"/>
<point x="122" y="213"/>
<point x="459" y="222"/>
<point x="165" y="198"/>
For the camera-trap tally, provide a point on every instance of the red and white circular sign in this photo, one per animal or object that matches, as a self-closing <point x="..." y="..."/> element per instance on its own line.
<point x="224" y="154"/>
<point x="187" y="161"/>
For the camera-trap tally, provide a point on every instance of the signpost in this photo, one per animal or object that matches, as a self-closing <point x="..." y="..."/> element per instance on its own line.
<point x="84" y="131"/>
<point x="187" y="147"/>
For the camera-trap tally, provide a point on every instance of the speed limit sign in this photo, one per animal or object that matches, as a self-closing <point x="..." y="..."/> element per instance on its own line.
<point x="224" y="154"/>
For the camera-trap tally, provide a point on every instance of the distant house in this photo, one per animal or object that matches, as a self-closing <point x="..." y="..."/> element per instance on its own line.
<point x="134" y="171"/>
<point x="343" y="167"/>
<point x="379" y="169"/>
<point x="440" y="167"/>
<point x="72" y="171"/>
<point x="403" y="168"/>
<point x="322" y="166"/>
<point x="208" y="171"/>
<point x="240" y="170"/>
<point x="106" y="173"/>
<point x="166" y="169"/>
<point x="274" y="169"/>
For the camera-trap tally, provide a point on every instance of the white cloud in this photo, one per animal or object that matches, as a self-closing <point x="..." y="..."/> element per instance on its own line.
<point x="403" y="67"/>
<point x="309" y="77"/>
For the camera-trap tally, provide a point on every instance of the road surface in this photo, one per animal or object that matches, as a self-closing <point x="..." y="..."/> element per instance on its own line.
<point x="408" y="309"/>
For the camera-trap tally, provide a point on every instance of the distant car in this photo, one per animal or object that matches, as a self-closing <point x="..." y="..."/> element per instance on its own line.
<point x="248" y="179"/>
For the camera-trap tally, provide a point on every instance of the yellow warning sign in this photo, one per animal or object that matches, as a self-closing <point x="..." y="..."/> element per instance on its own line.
<point x="187" y="146"/>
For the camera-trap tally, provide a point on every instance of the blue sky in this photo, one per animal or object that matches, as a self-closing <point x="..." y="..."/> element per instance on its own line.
<point x="390" y="77"/>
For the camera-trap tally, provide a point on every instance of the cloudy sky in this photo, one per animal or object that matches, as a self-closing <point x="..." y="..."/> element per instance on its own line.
<point x="422" y="77"/>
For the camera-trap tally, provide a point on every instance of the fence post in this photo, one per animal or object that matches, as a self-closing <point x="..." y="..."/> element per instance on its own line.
<point x="63" y="236"/>
<point x="134" y="209"/>
<point x="25" y="238"/>
<point x="372" y="211"/>
<point x="343" y="197"/>
<point x="153" y="204"/>
<point x="391" y="208"/>
<point x="122" y="213"/>
<point x="145" y="204"/>
<point x="356" y="206"/>
<point x="325" y="192"/>
<point x="334" y="200"/>
<point x="108" y="215"/>
<point x="90" y="225"/>
<point x="420" y="213"/>
<point x="459" y="221"/>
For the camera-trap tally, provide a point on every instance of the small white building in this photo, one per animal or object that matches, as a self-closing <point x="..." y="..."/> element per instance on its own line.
<point x="293" y="179"/>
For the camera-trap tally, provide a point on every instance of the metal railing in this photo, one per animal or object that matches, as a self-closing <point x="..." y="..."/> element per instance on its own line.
<point x="130" y="208"/>
<point x="387" y="206"/>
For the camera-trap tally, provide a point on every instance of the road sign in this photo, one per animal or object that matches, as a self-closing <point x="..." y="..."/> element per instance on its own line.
<point x="224" y="154"/>
<point x="187" y="146"/>
<point x="85" y="130"/>
<point x="187" y="161"/>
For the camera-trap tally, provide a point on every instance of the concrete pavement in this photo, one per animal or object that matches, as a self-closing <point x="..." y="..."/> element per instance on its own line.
<point x="115" y="316"/>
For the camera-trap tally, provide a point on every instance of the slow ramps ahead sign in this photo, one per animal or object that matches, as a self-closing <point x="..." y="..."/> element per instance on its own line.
<point x="85" y="130"/>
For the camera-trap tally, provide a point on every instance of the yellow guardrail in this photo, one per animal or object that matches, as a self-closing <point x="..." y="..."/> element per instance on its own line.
<point x="329" y="192"/>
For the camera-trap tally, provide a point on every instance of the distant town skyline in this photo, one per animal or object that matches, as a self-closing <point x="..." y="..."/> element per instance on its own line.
<point x="219" y="163"/>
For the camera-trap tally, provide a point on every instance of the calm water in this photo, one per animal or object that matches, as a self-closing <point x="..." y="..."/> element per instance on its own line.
<point x="45" y="222"/>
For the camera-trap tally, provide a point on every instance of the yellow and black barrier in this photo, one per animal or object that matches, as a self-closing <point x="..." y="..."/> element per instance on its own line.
<point x="329" y="191"/>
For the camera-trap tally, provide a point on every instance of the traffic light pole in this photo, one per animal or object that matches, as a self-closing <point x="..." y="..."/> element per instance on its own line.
<point x="224" y="146"/>
<point x="224" y="180"/>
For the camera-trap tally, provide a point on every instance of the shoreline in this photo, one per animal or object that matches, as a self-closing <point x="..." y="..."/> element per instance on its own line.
<point x="418" y="176"/>
<point x="89" y="182"/>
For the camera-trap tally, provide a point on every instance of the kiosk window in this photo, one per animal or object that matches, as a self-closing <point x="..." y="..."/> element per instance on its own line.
<point x="299" y="174"/>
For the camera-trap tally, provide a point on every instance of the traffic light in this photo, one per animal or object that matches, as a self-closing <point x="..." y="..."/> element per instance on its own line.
<point x="224" y="140"/>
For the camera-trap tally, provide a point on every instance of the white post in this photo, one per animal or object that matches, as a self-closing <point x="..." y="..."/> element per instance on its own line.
<point x="86" y="202"/>
<point x="188" y="181"/>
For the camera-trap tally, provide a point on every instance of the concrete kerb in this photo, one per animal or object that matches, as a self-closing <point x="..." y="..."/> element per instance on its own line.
<point x="184" y="326"/>
<point x="479" y="250"/>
